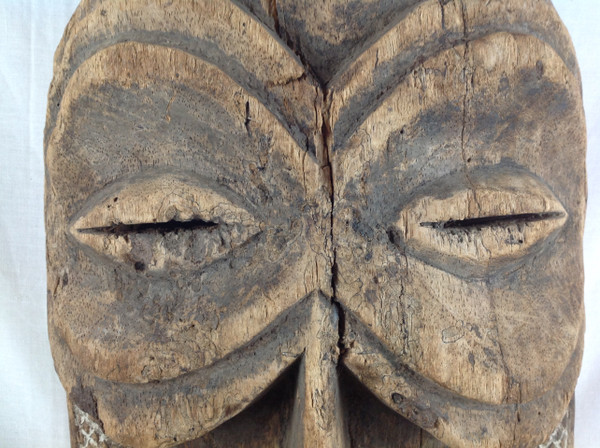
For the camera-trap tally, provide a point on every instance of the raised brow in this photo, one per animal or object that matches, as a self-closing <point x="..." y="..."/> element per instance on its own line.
<point x="429" y="28"/>
<point x="220" y="33"/>
<point x="417" y="96"/>
<point x="146" y="66"/>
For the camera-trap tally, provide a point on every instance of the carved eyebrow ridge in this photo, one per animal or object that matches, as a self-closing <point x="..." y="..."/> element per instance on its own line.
<point x="489" y="221"/>
<point x="120" y="229"/>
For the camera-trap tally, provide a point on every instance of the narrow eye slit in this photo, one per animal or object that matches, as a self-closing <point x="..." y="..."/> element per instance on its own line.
<point x="491" y="221"/>
<point x="474" y="228"/>
<point x="155" y="227"/>
<point x="166" y="221"/>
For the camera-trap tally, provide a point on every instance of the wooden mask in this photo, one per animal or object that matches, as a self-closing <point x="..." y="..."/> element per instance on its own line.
<point x="323" y="224"/>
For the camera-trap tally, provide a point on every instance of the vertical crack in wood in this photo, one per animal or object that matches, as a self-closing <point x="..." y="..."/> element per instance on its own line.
<point x="442" y="4"/>
<point x="468" y="79"/>
<point x="280" y="30"/>
<point x="247" y="118"/>
<point x="275" y="16"/>
<point x="326" y="166"/>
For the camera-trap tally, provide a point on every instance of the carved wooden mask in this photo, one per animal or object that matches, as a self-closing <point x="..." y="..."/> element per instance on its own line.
<point x="305" y="223"/>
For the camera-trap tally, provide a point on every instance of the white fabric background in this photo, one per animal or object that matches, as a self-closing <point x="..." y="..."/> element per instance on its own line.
<point x="32" y="402"/>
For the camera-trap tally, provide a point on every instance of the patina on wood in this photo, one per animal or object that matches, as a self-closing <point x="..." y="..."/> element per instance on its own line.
<point x="316" y="223"/>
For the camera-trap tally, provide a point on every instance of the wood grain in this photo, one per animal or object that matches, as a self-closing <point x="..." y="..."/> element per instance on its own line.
<point x="316" y="223"/>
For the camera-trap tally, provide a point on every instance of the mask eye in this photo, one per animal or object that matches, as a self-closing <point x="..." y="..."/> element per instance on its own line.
<point x="165" y="222"/>
<point x="474" y="229"/>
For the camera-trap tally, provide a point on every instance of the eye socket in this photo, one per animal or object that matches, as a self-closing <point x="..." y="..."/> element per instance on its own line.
<point x="163" y="222"/>
<point x="473" y="229"/>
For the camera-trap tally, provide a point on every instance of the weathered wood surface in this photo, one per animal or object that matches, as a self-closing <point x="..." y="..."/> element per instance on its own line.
<point x="332" y="224"/>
